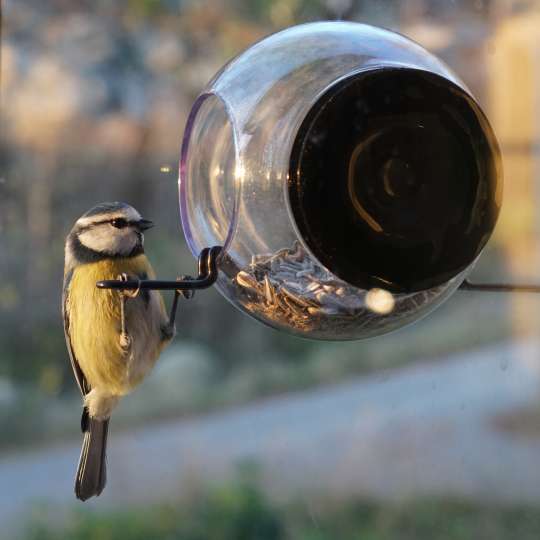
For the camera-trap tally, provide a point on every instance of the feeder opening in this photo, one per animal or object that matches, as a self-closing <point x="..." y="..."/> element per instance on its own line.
<point x="393" y="176"/>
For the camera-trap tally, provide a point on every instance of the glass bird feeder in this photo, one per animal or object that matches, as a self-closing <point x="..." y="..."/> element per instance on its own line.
<point x="350" y="177"/>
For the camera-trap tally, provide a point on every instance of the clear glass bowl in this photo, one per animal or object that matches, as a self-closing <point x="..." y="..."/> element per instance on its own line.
<point x="349" y="175"/>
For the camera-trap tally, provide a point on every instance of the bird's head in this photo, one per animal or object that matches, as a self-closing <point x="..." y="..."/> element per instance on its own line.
<point x="112" y="229"/>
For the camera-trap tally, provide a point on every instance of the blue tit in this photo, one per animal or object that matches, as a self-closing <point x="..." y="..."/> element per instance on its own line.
<point x="111" y="346"/>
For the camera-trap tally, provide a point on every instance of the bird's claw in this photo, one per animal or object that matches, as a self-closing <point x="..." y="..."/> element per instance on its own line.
<point x="129" y="294"/>
<point x="125" y="341"/>
<point x="187" y="294"/>
<point x="168" y="331"/>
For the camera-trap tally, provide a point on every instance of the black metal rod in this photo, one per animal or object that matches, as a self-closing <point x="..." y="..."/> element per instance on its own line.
<point x="498" y="287"/>
<point x="208" y="273"/>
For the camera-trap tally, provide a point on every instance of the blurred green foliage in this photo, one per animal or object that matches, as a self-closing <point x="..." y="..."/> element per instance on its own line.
<point x="239" y="510"/>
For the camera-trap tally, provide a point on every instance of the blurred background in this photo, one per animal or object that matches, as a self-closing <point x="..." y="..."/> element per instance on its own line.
<point x="242" y="432"/>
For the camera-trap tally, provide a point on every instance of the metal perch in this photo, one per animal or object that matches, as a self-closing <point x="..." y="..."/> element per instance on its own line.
<point x="208" y="274"/>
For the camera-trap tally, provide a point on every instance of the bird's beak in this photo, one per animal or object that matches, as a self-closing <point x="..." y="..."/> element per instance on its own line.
<point x="144" y="224"/>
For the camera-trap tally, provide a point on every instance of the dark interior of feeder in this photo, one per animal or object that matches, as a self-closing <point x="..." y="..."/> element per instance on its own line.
<point x="393" y="179"/>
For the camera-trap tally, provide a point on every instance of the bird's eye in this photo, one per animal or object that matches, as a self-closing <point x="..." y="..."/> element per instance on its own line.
<point x="119" y="223"/>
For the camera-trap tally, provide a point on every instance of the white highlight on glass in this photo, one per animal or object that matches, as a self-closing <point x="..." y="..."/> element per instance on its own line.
<point x="380" y="301"/>
<point x="239" y="173"/>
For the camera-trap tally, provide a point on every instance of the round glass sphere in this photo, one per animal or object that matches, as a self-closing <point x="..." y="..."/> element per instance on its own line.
<point x="349" y="175"/>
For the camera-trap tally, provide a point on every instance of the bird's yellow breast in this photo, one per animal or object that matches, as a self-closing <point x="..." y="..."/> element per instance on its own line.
<point x="95" y="325"/>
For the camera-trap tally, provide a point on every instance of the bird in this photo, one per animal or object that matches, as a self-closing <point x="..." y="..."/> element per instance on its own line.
<point x="113" y="338"/>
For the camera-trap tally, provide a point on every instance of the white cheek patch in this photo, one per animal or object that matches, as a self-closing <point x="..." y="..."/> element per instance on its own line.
<point x="107" y="239"/>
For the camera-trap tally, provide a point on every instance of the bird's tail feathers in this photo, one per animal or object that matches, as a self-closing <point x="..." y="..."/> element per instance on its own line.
<point x="92" y="472"/>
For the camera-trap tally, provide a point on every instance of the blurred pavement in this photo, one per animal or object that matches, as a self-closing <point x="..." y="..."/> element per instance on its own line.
<point x="425" y="429"/>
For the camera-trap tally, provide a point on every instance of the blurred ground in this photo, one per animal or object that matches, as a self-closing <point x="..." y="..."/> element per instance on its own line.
<point x="430" y="430"/>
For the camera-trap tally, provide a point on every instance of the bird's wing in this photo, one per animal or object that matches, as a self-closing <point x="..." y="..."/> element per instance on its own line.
<point x="84" y="387"/>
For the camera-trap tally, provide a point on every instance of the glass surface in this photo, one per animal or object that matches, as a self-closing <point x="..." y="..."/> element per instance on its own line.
<point x="209" y="197"/>
<point x="301" y="253"/>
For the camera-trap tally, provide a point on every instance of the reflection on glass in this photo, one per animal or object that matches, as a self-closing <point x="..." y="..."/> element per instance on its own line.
<point x="380" y="301"/>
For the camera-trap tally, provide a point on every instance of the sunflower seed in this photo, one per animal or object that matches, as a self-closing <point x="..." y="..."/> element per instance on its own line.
<point x="268" y="290"/>
<point x="247" y="281"/>
<point x="283" y="252"/>
<point x="297" y="287"/>
<point x="290" y="288"/>
<point x="300" y="300"/>
<point x="295" y="309"/>
<point x="260" y="259"/>
<point x="313" y="286"/>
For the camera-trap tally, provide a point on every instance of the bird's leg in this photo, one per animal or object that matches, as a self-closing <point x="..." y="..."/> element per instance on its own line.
<point x="125" y="339"/>
<point x="174" y="307"/>
<point x="168" y="330"/>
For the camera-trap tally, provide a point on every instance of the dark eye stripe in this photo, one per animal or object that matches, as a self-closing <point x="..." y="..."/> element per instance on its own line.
<point x="119" y="223"/>
<point x="96" y="223"/>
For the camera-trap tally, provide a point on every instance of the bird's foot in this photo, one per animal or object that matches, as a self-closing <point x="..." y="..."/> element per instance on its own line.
<point x="125" y="342"/>
<point x="125" y="339"/>
<point x="187" y="294"/>
<point x="168" y="331"/>
<point x="126" y="293"/>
